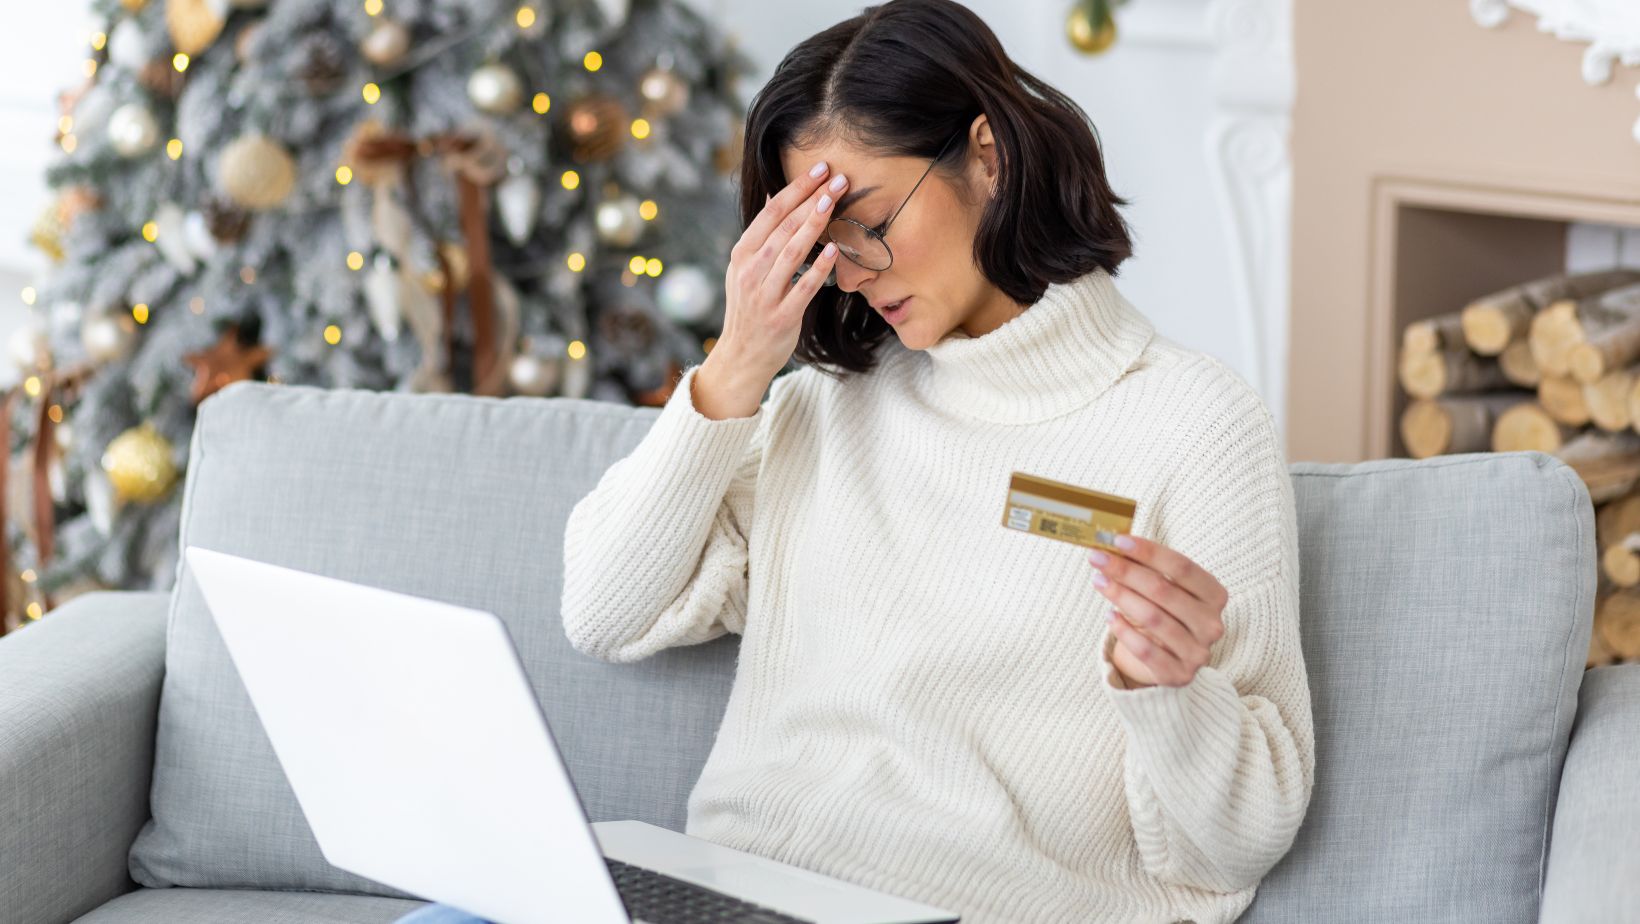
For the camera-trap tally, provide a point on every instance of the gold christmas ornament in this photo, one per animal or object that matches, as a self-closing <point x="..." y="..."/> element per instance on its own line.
<point x="597" y="127"/>
<point x="47" y="233"/>
<point x="140" y="464"/>
<point x="496" y="88"/>
<point x="133" y="6"/>
<point x="256" y="172"/>
<point x="1091" y="27"/>
<point x="194" y="24"/>
<point x="387" y="43"/>
<point x="455" y="255"/>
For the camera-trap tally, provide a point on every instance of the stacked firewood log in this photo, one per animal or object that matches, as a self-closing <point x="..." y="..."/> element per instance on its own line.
<point x="1552" y="364"/>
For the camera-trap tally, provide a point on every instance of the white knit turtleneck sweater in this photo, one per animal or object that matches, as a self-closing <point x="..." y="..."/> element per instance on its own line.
<point x="923" y="702"/>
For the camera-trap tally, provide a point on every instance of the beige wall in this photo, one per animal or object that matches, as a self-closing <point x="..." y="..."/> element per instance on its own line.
<point x="1415" y="90"/>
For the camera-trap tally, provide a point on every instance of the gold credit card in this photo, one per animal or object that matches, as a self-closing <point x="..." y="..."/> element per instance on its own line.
<point x="1066" y="512"/>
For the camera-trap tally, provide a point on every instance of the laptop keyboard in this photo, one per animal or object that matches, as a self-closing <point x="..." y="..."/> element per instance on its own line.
<point x="661" y="899"/>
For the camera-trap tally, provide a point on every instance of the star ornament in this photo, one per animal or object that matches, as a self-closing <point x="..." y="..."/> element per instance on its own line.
<point x="227" y="361"/>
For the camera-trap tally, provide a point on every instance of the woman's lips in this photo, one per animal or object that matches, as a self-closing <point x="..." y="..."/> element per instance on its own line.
<point x="896" y="314"/>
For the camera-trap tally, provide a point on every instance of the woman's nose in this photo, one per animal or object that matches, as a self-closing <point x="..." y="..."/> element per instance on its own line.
<point x="849" y="275"/>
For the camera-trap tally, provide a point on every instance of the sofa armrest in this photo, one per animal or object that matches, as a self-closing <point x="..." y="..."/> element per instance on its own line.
<point x="1594" y="850"/>
<point x="79" y="703"/>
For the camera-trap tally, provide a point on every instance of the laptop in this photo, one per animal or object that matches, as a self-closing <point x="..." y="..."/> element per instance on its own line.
<point x="421" y="759"/>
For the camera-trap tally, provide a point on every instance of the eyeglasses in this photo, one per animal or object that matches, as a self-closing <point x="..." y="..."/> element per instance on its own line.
<point x="867" y="246"/>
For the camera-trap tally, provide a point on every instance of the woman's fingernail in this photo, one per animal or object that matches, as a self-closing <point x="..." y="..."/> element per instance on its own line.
<point x="1125" y="542"/>
<point x="1100" y="579"/>
<point x="817" y="169"/>
<point x="837" y="184"/>
<point x="823" y="204"/>
<point x="1098" y="557"/>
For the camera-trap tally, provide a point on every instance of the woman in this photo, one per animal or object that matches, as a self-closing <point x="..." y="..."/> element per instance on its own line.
<point x="926" y="702"/>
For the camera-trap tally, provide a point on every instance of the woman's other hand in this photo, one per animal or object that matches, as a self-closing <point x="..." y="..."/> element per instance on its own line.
<point x="1166" y="611"/>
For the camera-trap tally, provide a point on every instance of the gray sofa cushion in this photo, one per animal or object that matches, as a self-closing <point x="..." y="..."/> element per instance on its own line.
<point x="452" y="497"/>
<point x="1446" y="614"/>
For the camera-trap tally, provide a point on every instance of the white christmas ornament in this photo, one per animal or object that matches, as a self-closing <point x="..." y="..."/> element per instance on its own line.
<point x="531" y="374"/>
<point x="132" y="130"/>
<point x="63" y="434"/>
<point x="685" y="293"/>
<point x="619" y="220"/>
<point x="129" y="48"/>
<point x="171" y="238"/>
<point x="196" y="231"/>
<point x="495" y="88"/>
<point x="384" y="296"/>
<point x="105" y="339"/>
<point x="28" y="346"/>
<point x="518" y="199"/>
<point x="577" y="376"/>
<point x="100" y="499"/>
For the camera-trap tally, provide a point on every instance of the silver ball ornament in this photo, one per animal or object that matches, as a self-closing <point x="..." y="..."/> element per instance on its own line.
<point x="495" y="88"/>
<point x="685" y="293"/>
<point x="132" y="130"/>
<point x="105" y="339"/>
<point x="619" y="221"/>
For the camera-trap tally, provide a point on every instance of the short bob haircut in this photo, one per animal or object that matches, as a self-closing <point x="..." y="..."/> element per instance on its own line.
<point x="900" y="78"/>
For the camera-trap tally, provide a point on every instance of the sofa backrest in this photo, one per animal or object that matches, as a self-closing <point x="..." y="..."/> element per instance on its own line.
<point x="1446" y="608"/>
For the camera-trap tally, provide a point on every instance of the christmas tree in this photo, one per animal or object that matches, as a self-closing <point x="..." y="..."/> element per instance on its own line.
<point x="498" y="198"/>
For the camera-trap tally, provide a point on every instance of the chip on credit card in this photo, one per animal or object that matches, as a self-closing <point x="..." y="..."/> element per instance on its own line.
<point x="1056" y="510"/>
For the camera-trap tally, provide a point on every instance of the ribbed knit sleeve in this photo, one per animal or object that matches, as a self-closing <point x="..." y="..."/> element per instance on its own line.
<point x="1218" y="773"/>
<point x="656" y="554"/>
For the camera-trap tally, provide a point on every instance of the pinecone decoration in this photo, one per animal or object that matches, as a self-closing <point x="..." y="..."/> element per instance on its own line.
<point x="160" y="78"/>
<point x="320" y="63"/>
<point x="628" y="331"/>
<point x="226" y="221"/>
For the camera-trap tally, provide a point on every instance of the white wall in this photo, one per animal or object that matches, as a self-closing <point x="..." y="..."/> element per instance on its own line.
<point x="42" y="51"/>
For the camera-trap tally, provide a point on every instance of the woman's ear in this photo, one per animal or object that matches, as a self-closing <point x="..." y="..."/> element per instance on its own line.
<point x="979" y="134"/>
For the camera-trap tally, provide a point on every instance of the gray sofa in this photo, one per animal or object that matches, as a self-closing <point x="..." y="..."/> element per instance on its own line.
<point x="1467" y="767"/>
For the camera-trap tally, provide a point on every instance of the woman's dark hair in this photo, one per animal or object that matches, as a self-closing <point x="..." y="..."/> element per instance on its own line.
<point x="901" y="78"/>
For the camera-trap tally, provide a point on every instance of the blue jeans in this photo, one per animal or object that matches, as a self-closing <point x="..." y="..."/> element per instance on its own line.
<point x="440" y="913"/>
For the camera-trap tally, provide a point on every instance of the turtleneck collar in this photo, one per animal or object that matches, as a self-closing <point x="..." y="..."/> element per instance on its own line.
<point x="1060" y="353"/>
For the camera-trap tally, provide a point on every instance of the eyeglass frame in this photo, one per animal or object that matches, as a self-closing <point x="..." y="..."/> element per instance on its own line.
<point x="882" y="237"/>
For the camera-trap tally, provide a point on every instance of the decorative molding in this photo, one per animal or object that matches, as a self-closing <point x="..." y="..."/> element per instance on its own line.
<point x="1250" y="163"/>
<point x="1611" y="27"/>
